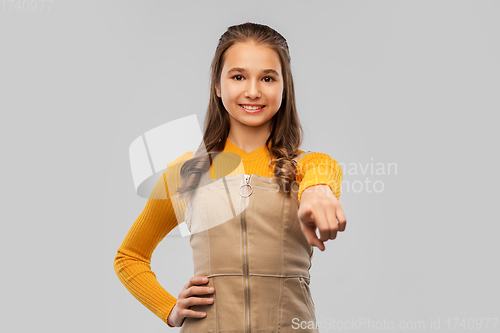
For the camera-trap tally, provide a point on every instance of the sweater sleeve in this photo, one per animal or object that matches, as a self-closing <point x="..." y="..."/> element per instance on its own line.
<point x="319" y="168"/>
<point x="133" y="258"/>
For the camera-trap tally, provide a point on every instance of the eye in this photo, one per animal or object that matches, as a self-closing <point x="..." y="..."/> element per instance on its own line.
<point x="271" y="79"/>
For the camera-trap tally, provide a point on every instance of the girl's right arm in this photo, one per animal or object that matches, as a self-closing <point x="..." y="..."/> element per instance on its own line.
<point x="132" y="262"/>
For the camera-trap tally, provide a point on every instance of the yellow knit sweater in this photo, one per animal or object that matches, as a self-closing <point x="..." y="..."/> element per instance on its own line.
<point x="133" y="258"/>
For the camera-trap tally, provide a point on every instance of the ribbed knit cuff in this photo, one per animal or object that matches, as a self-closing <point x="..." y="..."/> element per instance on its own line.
<point x="169" y="314"/>
<point x="320" y="175"/>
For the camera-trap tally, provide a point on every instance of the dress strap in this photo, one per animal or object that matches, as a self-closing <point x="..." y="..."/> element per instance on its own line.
<point x="301" y="155"/>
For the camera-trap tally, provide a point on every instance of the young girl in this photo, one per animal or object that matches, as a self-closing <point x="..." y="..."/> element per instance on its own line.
<point x="252" y="219"/>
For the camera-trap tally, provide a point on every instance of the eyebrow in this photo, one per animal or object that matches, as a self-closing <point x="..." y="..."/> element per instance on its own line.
<point x="242" y="70"/>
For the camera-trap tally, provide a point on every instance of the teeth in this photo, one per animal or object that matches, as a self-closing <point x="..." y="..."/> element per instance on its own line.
<point x="248" y="107"/>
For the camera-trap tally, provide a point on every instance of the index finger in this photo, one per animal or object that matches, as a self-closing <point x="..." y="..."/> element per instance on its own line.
<point x="196" y="280"/>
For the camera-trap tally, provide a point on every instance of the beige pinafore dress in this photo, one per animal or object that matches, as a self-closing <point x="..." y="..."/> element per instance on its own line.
<point x="246" y="238"/>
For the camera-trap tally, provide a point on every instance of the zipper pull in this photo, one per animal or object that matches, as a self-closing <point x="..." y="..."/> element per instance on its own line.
<point x="247" y="183"/>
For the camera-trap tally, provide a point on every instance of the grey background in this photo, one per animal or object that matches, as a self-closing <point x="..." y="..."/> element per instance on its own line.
<point x="414" y="83"/>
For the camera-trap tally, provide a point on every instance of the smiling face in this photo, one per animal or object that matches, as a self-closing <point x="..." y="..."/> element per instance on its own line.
<point x="251" y="76"/>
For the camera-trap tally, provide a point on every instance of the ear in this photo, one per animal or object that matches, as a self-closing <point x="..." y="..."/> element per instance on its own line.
<point x="217" y="90"/>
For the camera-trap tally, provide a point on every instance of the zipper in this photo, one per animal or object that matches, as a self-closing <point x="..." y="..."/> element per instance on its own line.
<point x="246" y="183"/>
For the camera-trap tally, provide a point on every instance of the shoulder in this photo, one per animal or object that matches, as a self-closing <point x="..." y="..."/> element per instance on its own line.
<point x="315" y="158"/>
<point x="172" y="173"/>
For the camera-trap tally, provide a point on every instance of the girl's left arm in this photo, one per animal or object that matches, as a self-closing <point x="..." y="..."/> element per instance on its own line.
<point x="320" y="178"/>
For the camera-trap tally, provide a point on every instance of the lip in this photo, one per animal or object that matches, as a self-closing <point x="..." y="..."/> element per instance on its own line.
<point x="253" y="111"/>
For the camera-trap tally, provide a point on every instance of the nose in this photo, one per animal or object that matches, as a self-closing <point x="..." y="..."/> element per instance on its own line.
<point x="253" y="89"/>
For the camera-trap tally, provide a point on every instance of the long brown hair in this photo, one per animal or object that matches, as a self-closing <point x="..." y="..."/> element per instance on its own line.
<point x="286" y="130"/>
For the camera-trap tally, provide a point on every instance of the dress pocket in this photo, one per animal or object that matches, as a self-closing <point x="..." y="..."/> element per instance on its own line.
<point x="307" y="295"/>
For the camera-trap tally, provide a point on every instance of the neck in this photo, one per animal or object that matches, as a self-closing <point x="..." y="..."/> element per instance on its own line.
<point x="249" y="138"/>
